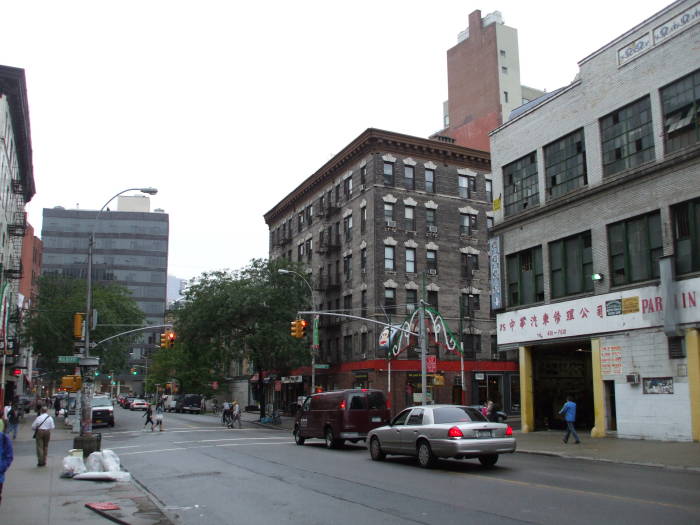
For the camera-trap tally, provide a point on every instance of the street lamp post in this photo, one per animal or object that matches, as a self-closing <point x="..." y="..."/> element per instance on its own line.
<point x="313" y="302"/>
<point x="88" y="365"/>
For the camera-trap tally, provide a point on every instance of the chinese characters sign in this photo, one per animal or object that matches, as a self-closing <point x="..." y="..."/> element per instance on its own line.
<point x="628" y="310"/>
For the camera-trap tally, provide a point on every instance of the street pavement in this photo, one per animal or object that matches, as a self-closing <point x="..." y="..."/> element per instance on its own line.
<point x="34" y="495"/>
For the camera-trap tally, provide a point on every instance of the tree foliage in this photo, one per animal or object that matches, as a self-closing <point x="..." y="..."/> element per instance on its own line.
<point x="50" y="326"/>
<point x="232" y="315"/>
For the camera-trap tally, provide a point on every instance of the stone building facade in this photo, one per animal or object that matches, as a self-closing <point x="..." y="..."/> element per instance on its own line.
<point x="597" y="187"/>
<point x="388" y="220"/>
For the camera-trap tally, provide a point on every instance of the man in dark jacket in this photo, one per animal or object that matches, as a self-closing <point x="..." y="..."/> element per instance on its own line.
<point x="6" y="457"/>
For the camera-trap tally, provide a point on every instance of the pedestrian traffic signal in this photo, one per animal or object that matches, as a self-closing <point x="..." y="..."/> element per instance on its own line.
<point x="78" y="319"/>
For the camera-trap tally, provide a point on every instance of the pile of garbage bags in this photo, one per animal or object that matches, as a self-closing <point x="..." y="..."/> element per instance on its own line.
<point x="102" y="465"/>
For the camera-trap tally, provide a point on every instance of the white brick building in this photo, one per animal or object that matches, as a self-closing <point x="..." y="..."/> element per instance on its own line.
<point x="597" y="237"/>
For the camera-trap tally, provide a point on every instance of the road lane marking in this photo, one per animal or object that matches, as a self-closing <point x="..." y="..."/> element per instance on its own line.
<point x="246" y="444"/>
<point x="153" y="451"/>
<point x="223" y="439"/>
<point x="202" y="446"/>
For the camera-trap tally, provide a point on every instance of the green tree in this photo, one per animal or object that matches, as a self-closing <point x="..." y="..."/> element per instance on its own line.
<point x="243" y="314"/>
<point x="50" y="326"/>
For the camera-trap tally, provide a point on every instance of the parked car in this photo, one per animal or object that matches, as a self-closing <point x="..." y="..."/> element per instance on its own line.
<point x="442" y="431"/>
<point x="138" y="404"/>
<point x="170" y="402"/>
<point x="340" y="415"/>
<point x="102" y="411"/>
<point x="189" y="403"/>
<point x="502" y="416"/>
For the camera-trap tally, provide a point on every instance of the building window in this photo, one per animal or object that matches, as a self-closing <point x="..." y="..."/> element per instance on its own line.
<point x="470" y="303"/>
<point x="347" y="347"/>
<point x="680" y="103"/>
<point x="565" y="164"/>
<point x="363" y="175"/>
<point x="571" y="265"/>
<point x="337" y="194"/>
<point x="430" y="181"/>
<point x="686" y="236"/>
<point x="504" y="70"/>
<point x="676" y="347"/>
<point x="347" y="304"/>
<point x="390" y="300"/>
<point x="470" y="263"/>
<point x="363" y="303"/>
<point x="309" y="214"/>
<point x="300" y="221"/>
<point x="503" y="53"/>
<point x="431" y="261"/>
<point x="467" y="186"/>
<point x="467" y="223"/>
<point x="363" y="344"/>
<point x="472" y="344"/>
<point x="430" y="218"/>
<point x="309" y="249"/>
<point x="411" y="301"/>
<point x="363" y="260"/>
<point x="408" y="178"/>
<point x="489" y="222"/>
<point x="521" y="191"/>
<point x="410" y="260"/>
<point x="627" y="137"/>
<point x="388" y="174"/>
<point x="433" y="299"/>
<point x="347" y="227"/>
<point x="525" y="277"/>
<point x="635" y="247"/>
<point x="389" y="215"/>
<point x="347" y="267"/>
<point x="347" y="188"/>
<point x="409" y="218"/>
<point x="489" y="190"/>
<point x="389" y="262"/>
<point x="505" y="97"/>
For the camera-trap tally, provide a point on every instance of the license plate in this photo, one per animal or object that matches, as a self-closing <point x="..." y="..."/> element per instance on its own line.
<point x="483" y="433"/>
<point x="376" y="419"/>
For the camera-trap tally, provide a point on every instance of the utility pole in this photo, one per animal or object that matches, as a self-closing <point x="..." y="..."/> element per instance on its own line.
<point x="423" y="347"/>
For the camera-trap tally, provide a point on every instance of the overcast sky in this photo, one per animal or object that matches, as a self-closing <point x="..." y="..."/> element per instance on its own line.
<point x="227" y="106"/>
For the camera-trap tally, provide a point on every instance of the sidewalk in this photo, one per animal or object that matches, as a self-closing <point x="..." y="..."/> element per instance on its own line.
<point x="650" y="453"/>
<point x="40" y="496"/>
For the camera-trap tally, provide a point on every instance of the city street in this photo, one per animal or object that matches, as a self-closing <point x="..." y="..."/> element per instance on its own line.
<point x="205" y="473"/>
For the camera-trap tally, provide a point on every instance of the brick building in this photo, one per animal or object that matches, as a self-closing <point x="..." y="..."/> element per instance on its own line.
<point x="389" y="216"/>
<point x="483" y="81"/>
<point x="598" y="229"/>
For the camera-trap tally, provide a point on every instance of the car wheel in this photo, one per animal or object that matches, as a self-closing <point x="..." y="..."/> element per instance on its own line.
<point x="297" y="437"/>
<point x="375" y="450"/>
<point x="488" y="461"/>
<point x="111" y="424"/>
<point x="426" y="458"/>
<point x="331" y="442"/>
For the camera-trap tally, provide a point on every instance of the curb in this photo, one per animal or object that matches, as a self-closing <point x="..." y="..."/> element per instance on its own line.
<point x="607" y="460"/>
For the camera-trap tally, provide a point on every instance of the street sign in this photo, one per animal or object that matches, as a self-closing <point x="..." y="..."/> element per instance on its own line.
<point x="431" y="363"/>
<point x="68" y="358"/>
<point x="318" y="365"/>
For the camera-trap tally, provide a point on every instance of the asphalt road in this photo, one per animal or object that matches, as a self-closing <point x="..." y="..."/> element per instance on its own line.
<point x="207" y="474"/>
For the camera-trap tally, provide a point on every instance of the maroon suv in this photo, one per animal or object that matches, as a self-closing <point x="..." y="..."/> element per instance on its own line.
<point x="341" y="415"/>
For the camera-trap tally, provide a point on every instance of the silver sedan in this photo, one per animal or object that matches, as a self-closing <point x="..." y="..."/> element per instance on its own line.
<point x="442" y="431"/>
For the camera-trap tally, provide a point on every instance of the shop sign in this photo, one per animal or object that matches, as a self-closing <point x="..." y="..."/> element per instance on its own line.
<point x="360" y="376"/>
<point x="627" y="310"/>
<point x="611" y="360"/>
<point x="431" y="363"/>
<point x="479" y="376"/>
<point x="292" y="379"/>
<point x="438" y="380"/>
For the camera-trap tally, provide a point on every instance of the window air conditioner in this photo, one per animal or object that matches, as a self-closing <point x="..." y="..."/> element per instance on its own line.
<point x="391" y="224"/>
<point x="432" y="271"/>
<point x="633" y="379"/>
<point x="432" y="229"/>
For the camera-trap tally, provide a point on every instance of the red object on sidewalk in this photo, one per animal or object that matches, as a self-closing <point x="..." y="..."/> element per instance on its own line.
<point x="102" y="506"/>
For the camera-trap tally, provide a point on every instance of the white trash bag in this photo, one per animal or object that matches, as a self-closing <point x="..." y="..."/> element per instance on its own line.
<point x="72" y="465"/>
<point x="94" y="462"/>
<point x="110" y="461"/>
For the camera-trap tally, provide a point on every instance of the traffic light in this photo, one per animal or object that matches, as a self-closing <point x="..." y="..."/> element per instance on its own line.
<point x="171" y="339"/>
<point x="78" y="319"/>
<point x="298" y="328"/>
<point x="97" y="373"/>
<point x="134" y="372"/>
<point x="164" y="340"/>
<point x="16" y="372"/>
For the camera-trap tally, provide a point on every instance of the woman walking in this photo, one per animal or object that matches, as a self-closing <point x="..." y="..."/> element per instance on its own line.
<point x="149" y="416"/>
<point x="159" y="417"/>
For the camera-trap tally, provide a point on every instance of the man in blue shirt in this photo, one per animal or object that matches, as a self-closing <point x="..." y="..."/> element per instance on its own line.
<point x="569" y="413"/>
<point x="5" y="457"/>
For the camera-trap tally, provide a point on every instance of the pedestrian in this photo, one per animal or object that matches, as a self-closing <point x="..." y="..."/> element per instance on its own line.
<point x="6" y="457"/>
<point x="226" y="413"/>
<point x="236" y="412"/>
<point x="57" y="406"/>
<point x="42" y="426"/>
<point x="569" y="413"/>
<point x="491" y="412"/>
<point x="159" y="416"/>
<point x="13" y="421"/>
<point x="149" y="416"/>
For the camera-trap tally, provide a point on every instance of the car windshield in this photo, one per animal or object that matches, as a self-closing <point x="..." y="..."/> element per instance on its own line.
<point x="101" y="402"/>
<point x="139" y="401"/>
<point x="456" y="415"/>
